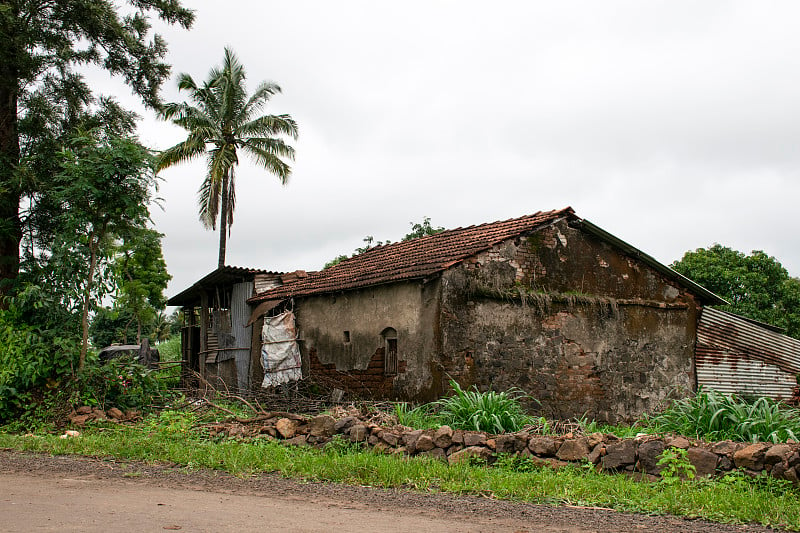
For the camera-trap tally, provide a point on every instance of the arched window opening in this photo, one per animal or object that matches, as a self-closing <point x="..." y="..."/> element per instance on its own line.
<point x="390" y="351"/>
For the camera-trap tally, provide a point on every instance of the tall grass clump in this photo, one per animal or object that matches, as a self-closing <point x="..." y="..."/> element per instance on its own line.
<point x="420" y="417"/>
<point x="713" y="415"/>
<point x="491" y="411"/>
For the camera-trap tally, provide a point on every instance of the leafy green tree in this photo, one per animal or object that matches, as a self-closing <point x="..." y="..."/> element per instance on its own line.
<point x="100" y="194"/>
<point x="141" y="278"/>
<point x="756" y="285"/>
<point x="112" y="325"/>
<point x="41" y="94"/>
<point x="221" y="121"/>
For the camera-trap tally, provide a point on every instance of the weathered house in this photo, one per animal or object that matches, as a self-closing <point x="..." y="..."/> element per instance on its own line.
<point x="216" y="339"/>
<point x="548" y="303"/>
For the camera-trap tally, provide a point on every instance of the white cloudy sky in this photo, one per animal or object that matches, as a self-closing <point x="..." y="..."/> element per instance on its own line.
<point x="671" y="124"/>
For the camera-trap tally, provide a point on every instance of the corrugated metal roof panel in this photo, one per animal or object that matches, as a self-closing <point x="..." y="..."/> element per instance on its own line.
<point x="221" y="276"/>
<point x="734" y="355"/>
<point x="732" y="333"/>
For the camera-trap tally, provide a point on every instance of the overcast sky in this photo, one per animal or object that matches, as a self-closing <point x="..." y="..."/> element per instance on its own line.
<point x="672" y="125"/>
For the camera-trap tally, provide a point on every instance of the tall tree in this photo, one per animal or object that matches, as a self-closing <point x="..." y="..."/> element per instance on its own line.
<point x="140" y="277"/>
<point x="41" y="44"/>
<point x="101" y="194"/>
<point x="756" y="285"/>
<point x="221" y="120"/>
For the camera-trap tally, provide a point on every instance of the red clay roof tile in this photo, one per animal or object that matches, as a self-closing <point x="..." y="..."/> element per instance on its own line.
<point x="417" y="258"/>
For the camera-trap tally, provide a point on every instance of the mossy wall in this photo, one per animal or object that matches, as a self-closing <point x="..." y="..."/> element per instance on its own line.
<point x="571" y="321"/>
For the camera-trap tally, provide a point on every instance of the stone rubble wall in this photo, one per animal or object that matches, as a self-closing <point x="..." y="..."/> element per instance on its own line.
<point x="605" y="451"/>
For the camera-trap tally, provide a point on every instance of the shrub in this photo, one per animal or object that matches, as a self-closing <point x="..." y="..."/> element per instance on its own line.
<point x="491" y="411"/>
<point x="713" y="415"/>
<point x="676" y="465"/>
<point x="30" y="362"/>
<point x="120" y="382"/>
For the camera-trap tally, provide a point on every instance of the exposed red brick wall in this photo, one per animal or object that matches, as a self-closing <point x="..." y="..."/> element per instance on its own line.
<point x="370" y="382"/>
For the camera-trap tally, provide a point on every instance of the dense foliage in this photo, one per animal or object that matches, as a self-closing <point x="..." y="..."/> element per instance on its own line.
<point x="120" y="383"/>
<point x="43" y="98"/>
<point x="756" y="285"/>
<point x="31" y="360"/>
<point x="139" y="277"/>
<point x="98" y="196"/>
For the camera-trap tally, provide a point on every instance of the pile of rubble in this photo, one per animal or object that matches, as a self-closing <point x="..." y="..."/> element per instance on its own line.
<point x="86" y="413"/>
<point x="605" y="451"/>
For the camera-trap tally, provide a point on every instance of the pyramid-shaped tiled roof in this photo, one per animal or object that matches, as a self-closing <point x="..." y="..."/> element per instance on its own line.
<point x="414" y="259"/>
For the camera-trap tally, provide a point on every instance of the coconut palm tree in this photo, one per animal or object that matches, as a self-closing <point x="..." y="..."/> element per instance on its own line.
<point x="222" y="121"/>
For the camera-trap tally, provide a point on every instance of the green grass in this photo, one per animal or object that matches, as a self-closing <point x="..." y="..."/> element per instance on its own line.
<point x="170" y="438"/>
<point x="490" y="411"/>
<point x="712" y="415"/>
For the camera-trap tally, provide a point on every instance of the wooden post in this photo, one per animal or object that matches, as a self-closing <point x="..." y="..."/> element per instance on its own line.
<point x="203" y="338"/>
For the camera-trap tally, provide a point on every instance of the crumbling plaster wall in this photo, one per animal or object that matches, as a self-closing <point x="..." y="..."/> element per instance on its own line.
<point x="410" y="308"/>
<point x="571" y="321"/>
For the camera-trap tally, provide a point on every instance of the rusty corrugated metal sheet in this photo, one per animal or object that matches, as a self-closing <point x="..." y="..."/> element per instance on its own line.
<point x="734" y="355"/>
<point x="240" y="314"/>
<point x="264" y="282"/>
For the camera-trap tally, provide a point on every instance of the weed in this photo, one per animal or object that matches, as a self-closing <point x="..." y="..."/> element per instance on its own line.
<point x="340" y="446"/>
<point x="421" y="417"/>
<point x="516" y="463"/>
<point x="494" y="412"/>
<point x="763" y="481"/>
<point x="676" y="465"/>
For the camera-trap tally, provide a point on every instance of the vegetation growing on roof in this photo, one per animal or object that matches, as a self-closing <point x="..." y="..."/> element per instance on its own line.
<point x="419" y="229"/>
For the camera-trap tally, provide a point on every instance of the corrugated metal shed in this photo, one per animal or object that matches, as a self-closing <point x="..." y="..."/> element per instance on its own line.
<point x="738" y="355"/>
<point x="226" y="275"/>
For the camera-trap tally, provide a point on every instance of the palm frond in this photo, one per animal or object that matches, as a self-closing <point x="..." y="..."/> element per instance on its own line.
<point x="268" y="125"/>
<point x="186" y="82"/>
<point x="190" y="149"/>
<point x="257" y="101"/>
<point x="270" y="161"/>
<point x="208" y="198"/>
<point x="273" y="145"/>
<point x="231" y="196"/>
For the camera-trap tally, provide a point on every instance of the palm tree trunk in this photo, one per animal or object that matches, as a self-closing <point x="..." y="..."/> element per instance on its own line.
<point x="223" y="221"/>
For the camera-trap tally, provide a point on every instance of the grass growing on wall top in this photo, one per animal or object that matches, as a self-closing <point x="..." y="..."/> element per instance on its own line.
<point x="490" y="411"/>
<point x="712" y="415"/>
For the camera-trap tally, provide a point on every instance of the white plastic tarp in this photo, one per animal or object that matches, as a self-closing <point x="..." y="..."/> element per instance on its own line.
<point x="280" y="355"/>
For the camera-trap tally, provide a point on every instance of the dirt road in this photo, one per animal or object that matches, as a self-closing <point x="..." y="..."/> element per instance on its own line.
<point x="43" y="493"/>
